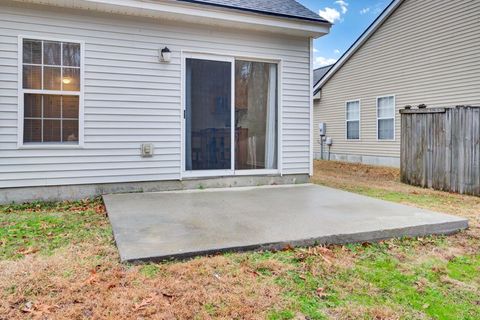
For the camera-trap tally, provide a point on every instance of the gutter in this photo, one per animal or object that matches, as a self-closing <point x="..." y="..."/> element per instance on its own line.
<point x="195" y="14"/>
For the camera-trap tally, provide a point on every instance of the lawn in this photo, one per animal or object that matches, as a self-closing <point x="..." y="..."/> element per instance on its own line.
<point x="59" y="261"/>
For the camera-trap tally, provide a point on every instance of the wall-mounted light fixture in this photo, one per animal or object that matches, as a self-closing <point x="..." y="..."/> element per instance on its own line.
<point x="165" y="55"/>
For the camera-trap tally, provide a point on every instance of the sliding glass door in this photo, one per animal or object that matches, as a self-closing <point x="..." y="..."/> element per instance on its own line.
<point x="256" y="115"/>
<point x="208" y="116"/>
<point x="231" y="116"/>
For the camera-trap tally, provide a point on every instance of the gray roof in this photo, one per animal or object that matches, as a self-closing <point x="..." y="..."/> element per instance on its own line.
<point x="283" y="8"/>
<point x="319" y="73"/>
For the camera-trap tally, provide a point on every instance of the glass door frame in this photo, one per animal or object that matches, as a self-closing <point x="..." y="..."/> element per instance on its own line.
<point x="232" y="172"/>
<point x="215" y="172"/>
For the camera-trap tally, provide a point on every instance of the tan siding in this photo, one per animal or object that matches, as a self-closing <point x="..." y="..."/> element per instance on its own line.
<point x="426" y="52"/>
<point x="131" y="98"/>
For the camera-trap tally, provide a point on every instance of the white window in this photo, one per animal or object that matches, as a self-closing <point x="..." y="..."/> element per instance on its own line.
<point x="386" y="118"/>
<point x="353" y="119"/>
<point x="50" y="92"/>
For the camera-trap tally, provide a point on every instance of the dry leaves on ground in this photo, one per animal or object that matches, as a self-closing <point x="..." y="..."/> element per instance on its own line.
<point x="87" y="280"/>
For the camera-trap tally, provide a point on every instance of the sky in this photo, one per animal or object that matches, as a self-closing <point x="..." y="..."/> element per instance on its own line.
<point x="349" y="17"/>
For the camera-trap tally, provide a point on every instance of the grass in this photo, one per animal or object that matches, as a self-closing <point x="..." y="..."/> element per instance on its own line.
<point x="384" y="183"/>
<point x="44" y="227"/>
<point x="380" y="283"/>
<point x="58" y="260"/>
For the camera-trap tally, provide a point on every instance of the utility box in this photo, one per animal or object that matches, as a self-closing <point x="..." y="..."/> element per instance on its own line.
<point x="147" y="150"/>
<point x="322" y="129"/>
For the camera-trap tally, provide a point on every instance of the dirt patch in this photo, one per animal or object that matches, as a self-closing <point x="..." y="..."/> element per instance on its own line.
<point x="343" y="172"/>
<point x="87" y="281"/>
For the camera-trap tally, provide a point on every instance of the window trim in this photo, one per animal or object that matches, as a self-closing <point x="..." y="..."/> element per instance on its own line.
<point x="359" y="120"/>
<point x="386" y="118"/>
<point x="21" y="91"/>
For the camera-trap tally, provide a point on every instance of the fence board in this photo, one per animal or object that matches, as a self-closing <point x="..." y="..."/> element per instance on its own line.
<point x="440" y="148"/>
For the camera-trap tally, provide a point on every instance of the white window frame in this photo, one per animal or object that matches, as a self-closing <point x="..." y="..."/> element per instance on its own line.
<point x="387" y="118"/>
<point x="22" y="92"/>
<point x="359" y="121"/>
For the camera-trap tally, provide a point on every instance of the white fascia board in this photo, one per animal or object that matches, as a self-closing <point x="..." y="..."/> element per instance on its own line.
<point x="360" y="41"/>
<point x="203" y="14"/>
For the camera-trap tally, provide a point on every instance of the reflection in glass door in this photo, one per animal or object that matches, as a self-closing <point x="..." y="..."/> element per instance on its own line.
<point x="208" y="115"/>
<point x="256" y="115"/>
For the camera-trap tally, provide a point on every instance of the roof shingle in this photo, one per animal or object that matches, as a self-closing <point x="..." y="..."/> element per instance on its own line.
<point x="319" y="73"/>
<point x="285" y="8"/>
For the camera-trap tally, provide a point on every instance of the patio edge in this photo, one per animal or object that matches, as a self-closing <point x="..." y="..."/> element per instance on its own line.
<point x="445" y="228"/>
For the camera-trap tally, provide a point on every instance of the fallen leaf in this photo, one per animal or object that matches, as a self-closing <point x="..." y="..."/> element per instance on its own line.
<point x="28" y="251"/>
<point x="325" y="253"/>
<point x="111" y="285"/>
<point x="100" y="209"/>
<point x="143" y="304"/>
<point x="438" y="269"/>
<point x="421" y="284"/>
<point x="93" y="277"/>
<point x="167" y="295"/>
<point x="253" y="272"/>
<point x="28" y="307"/>
<point x="321" y="292"/>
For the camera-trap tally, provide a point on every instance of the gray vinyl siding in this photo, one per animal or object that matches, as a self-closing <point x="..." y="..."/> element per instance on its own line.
<point x="425" y="52"/>
<point x="130" y="98"/>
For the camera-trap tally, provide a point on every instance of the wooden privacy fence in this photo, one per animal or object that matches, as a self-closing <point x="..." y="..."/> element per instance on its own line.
<point x="440" y="148"/>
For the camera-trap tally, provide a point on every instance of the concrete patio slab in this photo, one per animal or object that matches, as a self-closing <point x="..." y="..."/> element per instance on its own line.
<point x="164" y="225"/>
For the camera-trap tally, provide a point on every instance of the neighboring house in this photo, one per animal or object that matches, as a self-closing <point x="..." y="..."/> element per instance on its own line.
<point x="88" y="97"/>
<point x="319" y="73"/>
<point x="416" y="52"/>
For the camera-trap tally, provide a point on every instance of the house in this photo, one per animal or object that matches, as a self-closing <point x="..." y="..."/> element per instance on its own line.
<point x="416" y="52"/>
<point x="105" y="96"/>
<point x="319" y="73"/>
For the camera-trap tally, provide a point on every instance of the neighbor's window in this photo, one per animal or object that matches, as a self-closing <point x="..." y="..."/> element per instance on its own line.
<point x="353" y="120"/>
<point x="386" y="118"/>
<point x="51" y="91"/>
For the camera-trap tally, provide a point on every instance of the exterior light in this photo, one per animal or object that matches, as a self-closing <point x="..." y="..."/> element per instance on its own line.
<point x="165" y="55"/>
